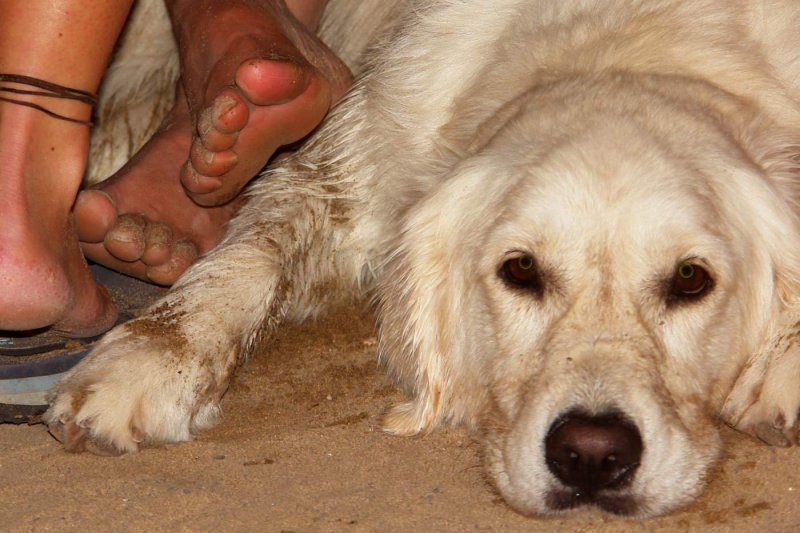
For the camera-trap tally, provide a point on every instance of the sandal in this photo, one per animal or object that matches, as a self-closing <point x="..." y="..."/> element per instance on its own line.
<point x="31" y="362"/>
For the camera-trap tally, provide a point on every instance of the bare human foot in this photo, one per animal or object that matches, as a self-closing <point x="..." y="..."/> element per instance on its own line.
<point x="44" y="279"/>
<point x="255" y="78"/>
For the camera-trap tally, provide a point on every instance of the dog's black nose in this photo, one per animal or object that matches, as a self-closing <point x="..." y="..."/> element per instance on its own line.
<point x="590" y="453"/>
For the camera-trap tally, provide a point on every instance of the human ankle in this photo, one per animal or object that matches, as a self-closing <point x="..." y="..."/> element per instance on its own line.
<point x="43" y="158"/>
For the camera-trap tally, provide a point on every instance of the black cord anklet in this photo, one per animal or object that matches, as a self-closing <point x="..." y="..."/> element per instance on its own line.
<point x="50" y="90"/>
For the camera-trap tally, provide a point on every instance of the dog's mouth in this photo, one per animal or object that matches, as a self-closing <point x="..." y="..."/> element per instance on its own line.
<point x="566" y="499"/>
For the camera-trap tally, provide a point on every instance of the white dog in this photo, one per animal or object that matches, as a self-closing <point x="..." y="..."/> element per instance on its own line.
<point x="579" y="220"/>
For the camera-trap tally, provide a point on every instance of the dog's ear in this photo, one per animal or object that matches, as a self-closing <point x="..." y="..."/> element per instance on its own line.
<point x="427" y="297"/>
<point x="475" y="122"/>
<point x="777" y="151"/>
<point x="765" y="397"/>
<point x="491" y="126"/>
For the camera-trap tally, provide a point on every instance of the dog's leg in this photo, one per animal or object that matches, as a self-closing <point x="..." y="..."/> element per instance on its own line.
<point x="765" y="400"/>
<point x="160" y="378"/>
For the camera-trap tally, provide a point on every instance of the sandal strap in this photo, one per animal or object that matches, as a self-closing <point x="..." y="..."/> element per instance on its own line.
<point x="50" y="90"/>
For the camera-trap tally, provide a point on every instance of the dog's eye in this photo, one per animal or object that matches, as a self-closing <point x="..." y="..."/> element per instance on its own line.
<point x="690" y="281"/>
<point x="522" y="271"/>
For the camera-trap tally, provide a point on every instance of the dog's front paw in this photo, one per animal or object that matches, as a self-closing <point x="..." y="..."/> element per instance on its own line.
<point x="765" y="404"/>
<point x="772" y="417"/>
<point x="131" y="390"/>
<point x="87" y="415"/>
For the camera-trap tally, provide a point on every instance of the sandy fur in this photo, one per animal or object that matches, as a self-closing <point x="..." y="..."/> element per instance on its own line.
<point x="611" y="141"/>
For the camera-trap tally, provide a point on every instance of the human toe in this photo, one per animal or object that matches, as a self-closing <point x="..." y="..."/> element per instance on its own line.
<point x="197" y="185"/>
<point x="126" y="239"/>
<point x="182" y="255"/>
<point x="226" y="116"/>
<point x="218" y="125"/>
<point x="158" y="244"/>
<point x="95" y="214"/>
<point x="209" y="163"/>
<point x="273" y="81"/>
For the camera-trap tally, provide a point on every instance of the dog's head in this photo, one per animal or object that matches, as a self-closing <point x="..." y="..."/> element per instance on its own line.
<point x="585" y="288"/>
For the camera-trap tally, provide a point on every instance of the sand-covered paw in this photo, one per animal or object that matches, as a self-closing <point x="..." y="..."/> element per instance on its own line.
<point x="765" y="404"/>
<point x="773" y="417"/>
<point x="132" y="390"/>
<point x="95" y="417"/>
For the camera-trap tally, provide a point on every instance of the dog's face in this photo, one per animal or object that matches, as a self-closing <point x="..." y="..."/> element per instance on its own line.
<point x="616" y="291"/>
<point x="590" y="303"/>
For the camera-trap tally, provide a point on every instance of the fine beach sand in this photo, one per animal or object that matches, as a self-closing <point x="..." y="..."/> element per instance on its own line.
<point x="300" y="449"/>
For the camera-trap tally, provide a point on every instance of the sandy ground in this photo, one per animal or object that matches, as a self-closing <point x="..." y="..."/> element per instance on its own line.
<point x="300" y="449"/>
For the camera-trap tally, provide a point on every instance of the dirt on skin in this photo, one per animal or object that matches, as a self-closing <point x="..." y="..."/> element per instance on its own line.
<point x="300" y="449"/>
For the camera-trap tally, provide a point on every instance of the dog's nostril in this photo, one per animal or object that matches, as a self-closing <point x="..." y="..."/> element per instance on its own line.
<point x="591" y="453"/>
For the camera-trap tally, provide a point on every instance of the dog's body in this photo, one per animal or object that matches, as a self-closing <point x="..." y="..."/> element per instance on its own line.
<point x="579" y="221"/>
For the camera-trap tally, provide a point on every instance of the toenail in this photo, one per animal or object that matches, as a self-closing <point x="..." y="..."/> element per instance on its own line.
<point x="208" y="157"/>
<point x="191" y="175"/>
<point x="223" y="104"/>
<point x="138" y="435"/>
<point x="206" y="122"/>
